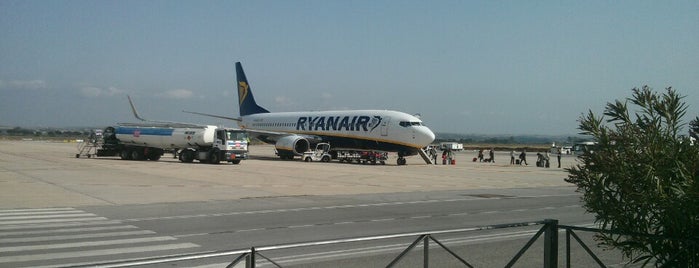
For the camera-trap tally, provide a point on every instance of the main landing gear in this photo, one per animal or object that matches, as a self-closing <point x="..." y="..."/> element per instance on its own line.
<point x="401" y="158"/>
<point x="401" y="161"/>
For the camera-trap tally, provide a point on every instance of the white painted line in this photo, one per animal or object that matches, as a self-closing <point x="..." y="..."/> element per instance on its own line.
<point x="88" y="244"/>
<point x="51" y="220"/>
<point x="34" y="216"/>
<point x="380" y="220"/>
<point x="80" y="236"/>
<point x="93" y="253"/>
<point x="35" y="210"/>
<point x="57" y="225"/>
<point x="41" y="213"/>
<point x="68" y="230"/>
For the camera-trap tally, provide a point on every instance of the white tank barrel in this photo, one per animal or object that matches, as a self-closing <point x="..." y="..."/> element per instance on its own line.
<point x="166" y="137"/>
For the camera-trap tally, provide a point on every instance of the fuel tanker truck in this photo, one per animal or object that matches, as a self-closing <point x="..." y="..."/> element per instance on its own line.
<point x="208" y="144"/>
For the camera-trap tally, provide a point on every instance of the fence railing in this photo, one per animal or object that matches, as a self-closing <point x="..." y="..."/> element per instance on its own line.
<point x="550" y="229"/>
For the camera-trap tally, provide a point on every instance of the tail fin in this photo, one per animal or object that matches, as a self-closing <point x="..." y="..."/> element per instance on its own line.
<point x="245" y="99"/>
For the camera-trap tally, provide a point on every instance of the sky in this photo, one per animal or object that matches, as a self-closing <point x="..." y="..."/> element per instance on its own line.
<point x="471" y="67"/>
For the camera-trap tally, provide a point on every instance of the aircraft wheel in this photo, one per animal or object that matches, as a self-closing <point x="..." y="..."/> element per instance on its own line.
<point x="401" y="161"/>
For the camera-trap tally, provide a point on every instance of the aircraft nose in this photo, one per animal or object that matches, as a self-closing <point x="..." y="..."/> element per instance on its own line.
<point x="426" y="136"/>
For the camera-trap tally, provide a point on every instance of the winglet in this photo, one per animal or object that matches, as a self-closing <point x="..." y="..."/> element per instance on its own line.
<point x="246" y="101"/>
<point x="133" y="109"/>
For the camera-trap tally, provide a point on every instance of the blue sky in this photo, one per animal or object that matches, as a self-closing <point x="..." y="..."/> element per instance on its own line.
<point x="484" y="67"/>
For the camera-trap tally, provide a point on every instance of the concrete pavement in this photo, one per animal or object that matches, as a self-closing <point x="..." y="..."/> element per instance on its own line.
<point x="37" y="174"/>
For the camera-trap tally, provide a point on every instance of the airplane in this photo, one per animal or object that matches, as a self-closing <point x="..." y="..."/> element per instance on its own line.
<point x="293" y="133"/>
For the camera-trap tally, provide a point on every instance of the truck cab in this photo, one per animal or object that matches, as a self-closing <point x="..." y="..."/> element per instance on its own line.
<point x="233" y="143"/>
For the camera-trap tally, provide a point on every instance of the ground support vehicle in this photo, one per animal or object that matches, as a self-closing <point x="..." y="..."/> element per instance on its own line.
<point x="208" y="144"/>
<point x="364" y="157"/>
<point x="321" y="153"/>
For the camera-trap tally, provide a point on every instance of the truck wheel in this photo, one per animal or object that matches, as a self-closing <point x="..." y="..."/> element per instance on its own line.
<point x="136" y="155"/>
<point x="186" y="156"/>
<point x="154" y="157"/>
<point x="325" y="159"/>
<point x="236" y="161"/>
<point x="213" y="158"/>
<point x="125" y="155"/>
<point x="308" y="159"/>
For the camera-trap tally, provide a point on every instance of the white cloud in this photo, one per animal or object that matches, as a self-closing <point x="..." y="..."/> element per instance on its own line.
<point x="92" y="91"/>
<point x="23" y="84"/>
<point x="283" y="101"/>
<point x="177" y="94"/>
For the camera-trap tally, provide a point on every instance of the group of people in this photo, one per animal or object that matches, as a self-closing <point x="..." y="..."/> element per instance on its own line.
<point x="448" y="157"/>
<point x="491" y="153"/>
<point x="542" y="160"/>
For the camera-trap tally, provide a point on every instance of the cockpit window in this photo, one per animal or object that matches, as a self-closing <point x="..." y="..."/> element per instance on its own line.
<point x="407" y="123"/>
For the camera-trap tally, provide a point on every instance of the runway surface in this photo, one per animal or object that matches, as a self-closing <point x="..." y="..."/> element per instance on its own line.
<point x="57" y="210"/>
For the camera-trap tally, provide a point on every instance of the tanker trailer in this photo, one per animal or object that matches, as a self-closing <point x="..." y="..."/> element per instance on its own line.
<point x="209" y="144"/>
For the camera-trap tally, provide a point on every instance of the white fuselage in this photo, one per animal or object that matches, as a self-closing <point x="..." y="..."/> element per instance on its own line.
<point x="362" y="129"/>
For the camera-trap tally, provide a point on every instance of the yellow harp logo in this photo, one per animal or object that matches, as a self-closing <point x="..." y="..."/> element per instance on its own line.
<point x="242" y="91"/>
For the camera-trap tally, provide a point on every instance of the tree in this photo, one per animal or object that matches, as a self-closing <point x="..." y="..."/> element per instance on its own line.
<point x="642" y="178"/>
<point x="694" y="128"/>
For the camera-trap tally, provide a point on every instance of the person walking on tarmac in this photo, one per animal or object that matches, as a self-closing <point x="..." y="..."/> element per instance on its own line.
<point x="523" y="157"/>
<point x="512" y="157"/>
<point x="492" y="155"/>
<point x="480" y="155"/>
<point x="559" y="157"/>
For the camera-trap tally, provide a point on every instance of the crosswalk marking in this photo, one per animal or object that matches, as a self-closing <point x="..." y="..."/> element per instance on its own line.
<point x="88" y="244"/>
<point x="78" y="236"/>
<point x="67" y="230"/>
<point x="26" y="217"/>
<point x="93" y="253"/>
<point x="51" y="220"/>
<point x="35" y="237"/>
<point x="57" y="225"/>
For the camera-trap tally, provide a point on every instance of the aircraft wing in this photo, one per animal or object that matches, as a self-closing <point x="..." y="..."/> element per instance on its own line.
<point x="155" y="123"/>
<point x="213" y="115"/>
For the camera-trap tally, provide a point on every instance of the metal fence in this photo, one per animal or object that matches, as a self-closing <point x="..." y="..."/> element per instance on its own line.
<point x="550" y="230"/>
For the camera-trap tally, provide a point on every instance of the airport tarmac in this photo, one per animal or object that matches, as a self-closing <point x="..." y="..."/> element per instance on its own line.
<point x="38" y="174"/>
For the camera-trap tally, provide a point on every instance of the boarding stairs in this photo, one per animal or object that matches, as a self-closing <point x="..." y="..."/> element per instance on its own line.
<point x="89" y="146"/>
<point x="425" y="156"/>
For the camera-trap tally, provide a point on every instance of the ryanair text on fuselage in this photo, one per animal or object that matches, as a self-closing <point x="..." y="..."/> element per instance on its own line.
<point x="338" y="123"/>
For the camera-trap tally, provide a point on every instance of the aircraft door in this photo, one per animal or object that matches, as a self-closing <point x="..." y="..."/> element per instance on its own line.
<point x="384" y="126"/>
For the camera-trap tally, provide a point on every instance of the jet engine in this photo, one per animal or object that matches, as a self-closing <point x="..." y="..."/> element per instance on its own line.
<point x="289" y="146"/>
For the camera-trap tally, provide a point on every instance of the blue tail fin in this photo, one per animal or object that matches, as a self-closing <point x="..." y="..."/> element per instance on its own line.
<point x="245" y="99"/>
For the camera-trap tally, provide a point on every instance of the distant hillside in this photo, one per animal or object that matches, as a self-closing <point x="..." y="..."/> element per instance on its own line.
<point x="509" y="139"/>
